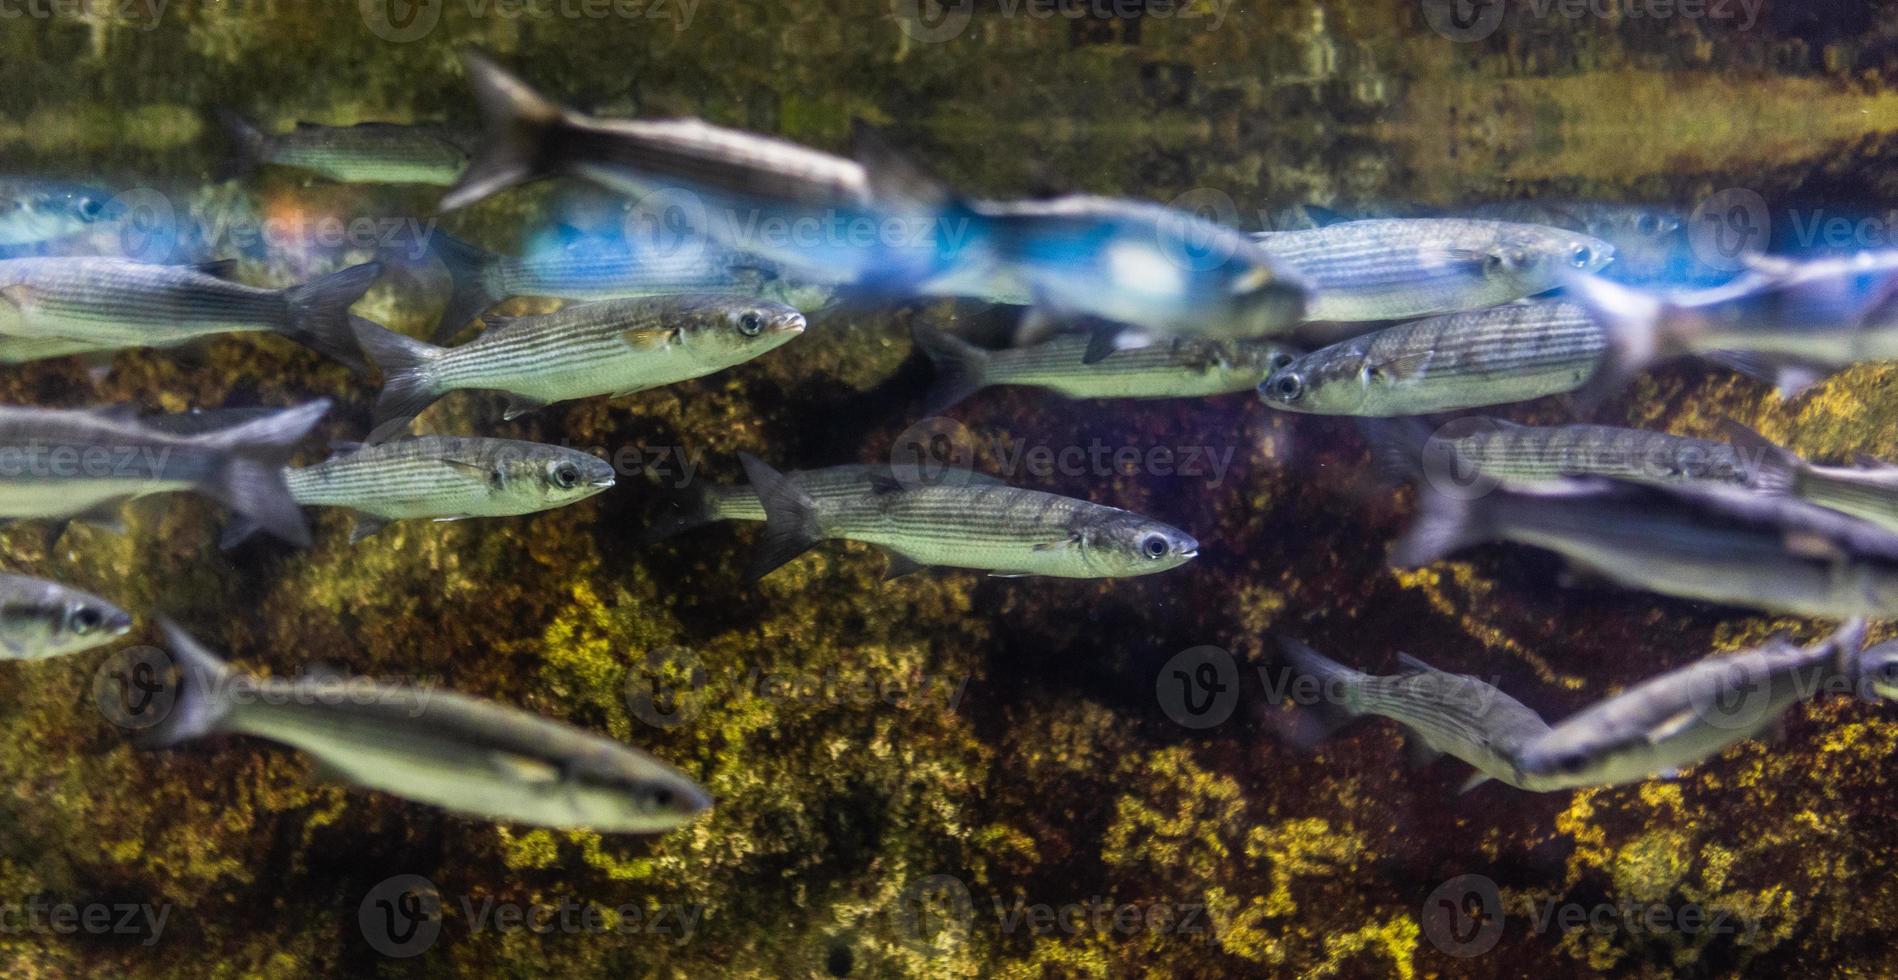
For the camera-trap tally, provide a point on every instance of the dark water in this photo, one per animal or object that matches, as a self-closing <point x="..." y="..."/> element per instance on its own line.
<point x="949" y="775"/>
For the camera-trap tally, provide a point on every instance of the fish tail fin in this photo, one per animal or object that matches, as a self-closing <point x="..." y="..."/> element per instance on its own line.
<point x="408" y="377"/>
<point x="238" y="531"/>
<point x="470" y="294"/>
<point x="319" y="313"/>
<point x="516" y="122"/>
<point x="1846" y="642"/>
<point x="790" y="525"/>
<point x="1770" y="467"/>
<point x="1330" y="711"/>
<point x="247" y="146"/>
<point x="1444" y="524"/>
<point x="1636" y="332"/>
<point x="959" y="367"/>
<point x="197" y="706"/>
<point x="1791" y="378"/>
<point x="681" y="511"/>
<point x="1397" y="447"/>
<point x="250" y="481"/>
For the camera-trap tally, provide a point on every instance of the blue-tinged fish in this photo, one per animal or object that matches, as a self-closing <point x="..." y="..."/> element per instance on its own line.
<point x="1715" y="544"/>
<point x="465" y="755"/>
<point x="34" y="211"/>
<point x="40" y="619"/>
<point x="1689" y="714"/>
<point x="86" y="463"/>
<point x="1398" y="268"/>
<point x="52" y="307"/>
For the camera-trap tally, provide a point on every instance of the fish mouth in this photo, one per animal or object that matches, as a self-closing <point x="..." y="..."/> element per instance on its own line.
<point x="601" y="483"/>
<point x="793" y="324"/>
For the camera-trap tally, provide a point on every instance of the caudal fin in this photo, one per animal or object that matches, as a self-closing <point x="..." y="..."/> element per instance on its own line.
<point x="516" y="123"/>
<point x="408" y="378"/>
<point x="247" y="147"/>
<point x="469" y="294"/>
<point x="319" y="313"/>
<point x="1397" y="447"/>
<point x="1321" y="716"/>
<point x="790" y="522"/>
<point x="250" y="479"/>
<point x="959" y="367"/>
<point x="198" y="702"/>
<point x="1444" y="524"/>
<point x="1770" y="467"/>
<point x="1633" y="326"/>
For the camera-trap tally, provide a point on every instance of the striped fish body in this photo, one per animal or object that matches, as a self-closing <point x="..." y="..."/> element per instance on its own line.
<point x="1457" y="715"/>
<point x="1397" y="268"/>
<point x="1870" y="493"/>
<point x="1462" y="360"/>
<point x="1684" y="716"/>
<point x="602" y="273"/>
<point x="603" y="348"/>
<point x="65" y="463"/>
<point x="450" y="477"/>
<point x="24" y="350"/>
<point x="1169" y="368"/>
<point x="1008" y="530"/>
<point x="369" y="153"/>
<point x="122" y="303"/>
<point x="1525" y="454"/>
<point x="831" y="483"/>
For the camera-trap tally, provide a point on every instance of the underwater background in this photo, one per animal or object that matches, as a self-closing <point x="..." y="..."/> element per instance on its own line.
<point x="947" y="774"/>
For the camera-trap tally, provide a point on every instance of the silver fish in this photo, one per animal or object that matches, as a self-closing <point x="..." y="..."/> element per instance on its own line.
<point x="612" y="348"/>
<point x="1715" y="544"/>
<point x="1868" y="491"/>
<point x="1453" y="714"/>
<point x="443" y="478"/>
<point x="1397" y="268"/>
<point x="1173" y="368"/>
<point x="1463" y="360"/>
<point x="704" y="503"/>
<point x="463" y="754"/>
<point x="1470" y="448"/>
<point x="40" y="619"/>
<point x="67" y="463"/>
<point x="34" y="211"/>
<point x="1008" y="531"/>
<point x="597" y="268"/>
<point x="1687" y="715"/>
<point x="55" y="306"/>
<point x="366" y="153"/>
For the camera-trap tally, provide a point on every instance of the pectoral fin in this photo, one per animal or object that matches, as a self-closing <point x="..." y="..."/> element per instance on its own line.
<point x="366" y="524"/>
<point x="19" y="297"/>
<point x="1673" y="725"/>
<point x="1010" y="574"/>
<point x="1476" y="779"/>
<point x="519" y="405"/>
<point x="901" y="565"/>
<point x="525" y="769"/>
<point x="653" y="337"/>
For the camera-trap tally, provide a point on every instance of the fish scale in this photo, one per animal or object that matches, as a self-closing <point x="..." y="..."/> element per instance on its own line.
<point x="994" y="527"/>
<point x="1514" y="452"/>
<point x="577" y="349"/>
<point x="146" y="303"/>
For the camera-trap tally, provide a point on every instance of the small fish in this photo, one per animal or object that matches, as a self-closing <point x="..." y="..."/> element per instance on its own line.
<point x="465" y="755"/>
<point x="702" y="504"/>
<point x="40" y="619"/>
<point x="34" y="211"/>
<point x="1687" y="715"/>
<point x="86" y="463"/>
<point x="611" y="348"/>
<point x="1715" y="544"/>
<point x="1007" y="531"/>
<point x="1506" y="451"/>
<point x="366" y="153"/>
<point x="601" y="268"/>
<point x="1461" y="360"/>
<point x="1868" y="491"/>
<point x="1452" y="714"/>
<point x="1179" y="367"/>
<point x="443" y="478"/>
<point x="1398" y="268"/>
<point x="55" y="306"/>
<point x="1808" y="316"/>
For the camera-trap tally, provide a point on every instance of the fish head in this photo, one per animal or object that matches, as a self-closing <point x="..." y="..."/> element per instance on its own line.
<point x="1338" y="380"/>
<point x="46" y="211"/>
<point x="645" y="797"/>
<point x="565" y="475"/>
<point x="66" y="620"/>
<point x="1254" y="360"/>
<point x="1569" y="755"/>
<point x="727" y="330"/>
<point x="1535" y="258"/>
<point x="1877" y="670"/>
<point x="1124" y="544"/>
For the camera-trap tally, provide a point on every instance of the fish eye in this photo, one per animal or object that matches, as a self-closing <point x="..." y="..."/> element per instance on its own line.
<point x="1888" y="671"/>
<point x="1154" y="546"/>
<point x="1287" y="387"/>
<point x="1581" y="256"/>
<point x="1281" y="361"/>
<point x="565" y="476"/>
<point x="85" y="619"/>
<point x="750" y="324"/>
<point x="90" y="208"/>
<point x="662" y="798"/>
